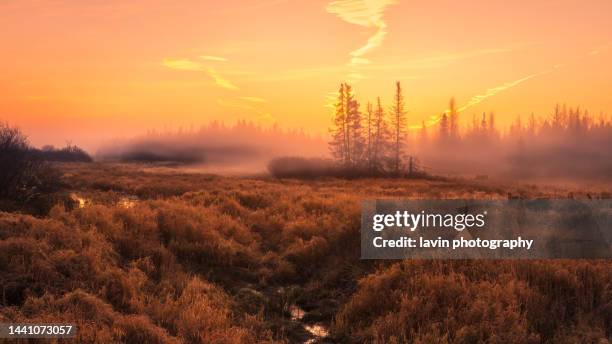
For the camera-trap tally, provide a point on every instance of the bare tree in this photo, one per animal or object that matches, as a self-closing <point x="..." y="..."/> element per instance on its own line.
<point x="23" y="176"/>
<point x="15" y="159"/>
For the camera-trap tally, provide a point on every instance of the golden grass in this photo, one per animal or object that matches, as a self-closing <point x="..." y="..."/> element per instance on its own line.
<point x="200" y="259"/>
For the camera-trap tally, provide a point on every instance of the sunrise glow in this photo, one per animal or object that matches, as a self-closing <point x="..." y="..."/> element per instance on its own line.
<point x="92" y="71"/>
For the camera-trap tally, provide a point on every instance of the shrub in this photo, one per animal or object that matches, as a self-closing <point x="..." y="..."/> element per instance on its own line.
<point x="70" y="153"/>
<point x="25" y="181"/>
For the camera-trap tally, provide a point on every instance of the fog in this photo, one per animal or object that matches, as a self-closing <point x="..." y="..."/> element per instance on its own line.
<point x="240" y="148"/>
<point x="568" y="145"/>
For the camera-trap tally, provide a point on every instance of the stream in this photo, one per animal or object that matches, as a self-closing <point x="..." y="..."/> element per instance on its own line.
<point x="317" y="331"/>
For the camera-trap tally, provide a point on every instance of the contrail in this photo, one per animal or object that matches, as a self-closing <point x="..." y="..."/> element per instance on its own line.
<point x="366" y="13"/>
<point x="477" y="99"/>
<point x="495" y="90"/>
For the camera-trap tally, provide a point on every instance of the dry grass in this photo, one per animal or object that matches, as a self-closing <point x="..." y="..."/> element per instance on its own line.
<point x="201" y="259"/>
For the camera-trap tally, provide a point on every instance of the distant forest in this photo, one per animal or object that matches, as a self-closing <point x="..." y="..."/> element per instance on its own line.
<point x="244" y="144"/>
<point x="568" y="143"/>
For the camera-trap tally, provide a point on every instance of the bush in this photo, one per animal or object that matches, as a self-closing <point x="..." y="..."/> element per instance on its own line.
<point x="25" y="181"/>
<point x="70" y="153"/>
<point x="478" y="302"/>
<point x="312" y="168"/>
<point x="18" y="164"/>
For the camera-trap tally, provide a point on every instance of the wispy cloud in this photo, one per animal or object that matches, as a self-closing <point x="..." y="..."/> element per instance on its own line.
<point x="213" y="58"/>
<point x="190" y="65"/>
<point x="183" y="64"/>
<point x="365" y="13"/>
<point x="266" y="117"/>
<point x="254" y="99"/>
<point x="330" y="99"/>
<point x="220" y="81"/>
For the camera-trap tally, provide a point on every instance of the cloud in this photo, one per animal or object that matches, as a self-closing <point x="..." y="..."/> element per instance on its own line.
<point x="183" y="64"/>
<point x="254" y="99"/>
<point x="266" y="117"/>
<point x="189" y="65"/>
<point x="213" y="58"/>
<point x="365" y="13"/>
<point x="220" y="81"/>
<point x="330" y="99"/>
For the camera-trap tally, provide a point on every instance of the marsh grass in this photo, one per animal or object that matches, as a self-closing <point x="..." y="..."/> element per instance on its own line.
<point x="202" y="258"/>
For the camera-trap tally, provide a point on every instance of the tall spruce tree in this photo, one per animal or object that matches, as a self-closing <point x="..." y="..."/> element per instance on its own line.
<point x="339" y="131"/>
<point x="453" y="121"/>
<point x="380" y="137"/>
<point x="398" y="128"/>
<point x="443" y="128"/>
<point x="356" y="141"/>
<point x="370" y="126"/>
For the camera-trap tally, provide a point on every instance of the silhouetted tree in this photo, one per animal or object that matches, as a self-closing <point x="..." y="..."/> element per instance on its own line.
<point x="24" y="178"/>
<point x="453" y="121"/>
<point x="398" y="127"/>
<point x="443" y="128"/>
<point x="339" y="131"/>
<point x="15" y="159"/>
<point x="380" y="137"/>
<point x="492" y="130"/>
<point x="484" y="128"/>
<point x="356" y="140"/>
<point x="423" y="134"/>
<point x="370" y="125"/>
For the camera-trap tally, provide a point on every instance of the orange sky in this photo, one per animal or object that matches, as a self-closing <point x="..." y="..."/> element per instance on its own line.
<point x="92" y="70"/>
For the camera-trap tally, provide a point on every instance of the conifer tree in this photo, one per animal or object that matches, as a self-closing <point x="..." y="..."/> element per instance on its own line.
<point x="339" y="131"/>
<point x="443" y="129"/>
<point x="398" y="128"/>
<point x="454" y="121"/>
<point x="380" y="137"/>
<point x="423" y="134"/>
<point x="369" y="145"/>
<point x="492" y="124"/>
<point x="356" y="140"/>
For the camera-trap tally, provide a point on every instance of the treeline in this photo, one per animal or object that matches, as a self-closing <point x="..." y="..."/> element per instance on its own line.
<point x="243" y="144"/>
<point x="70" y="153"/>
<point x="568" y="143"/>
